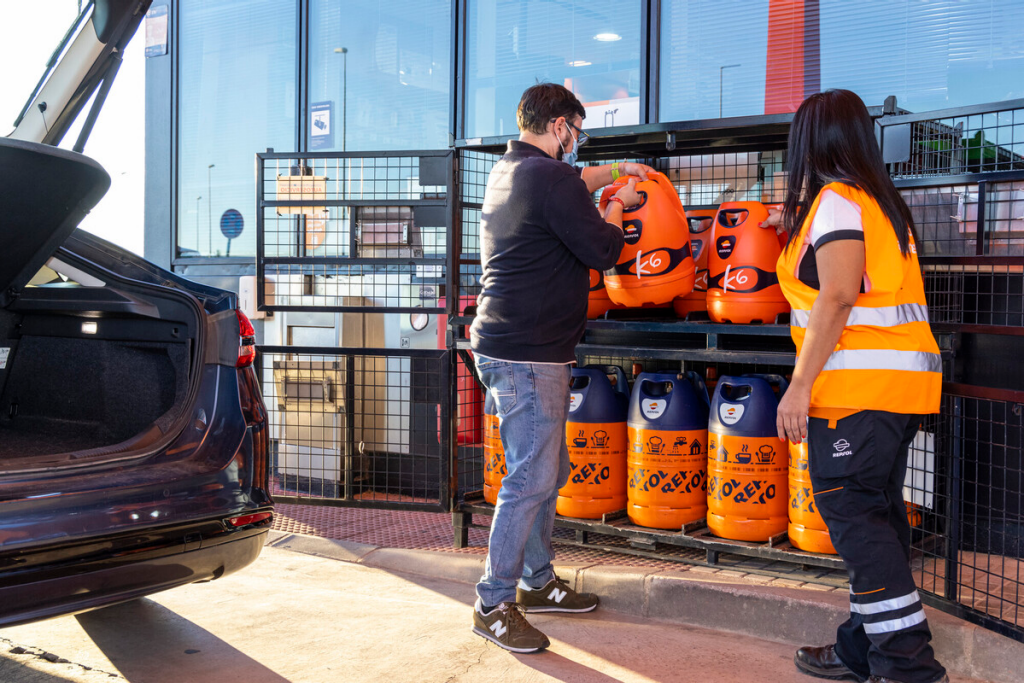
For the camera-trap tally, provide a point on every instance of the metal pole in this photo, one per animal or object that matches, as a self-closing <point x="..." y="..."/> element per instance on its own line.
<point x="344" y="95"/>
<point x="721" y="69"/>
<point x="343" y="51"/>
<point x="209" y="206"/>
<point x="198" y="199"/>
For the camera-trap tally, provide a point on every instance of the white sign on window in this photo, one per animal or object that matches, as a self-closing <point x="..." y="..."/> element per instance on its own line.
<point x="919" y="484"/>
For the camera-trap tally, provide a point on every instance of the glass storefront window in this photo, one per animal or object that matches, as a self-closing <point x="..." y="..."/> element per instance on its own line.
<point x="379" y="74"/>
<point x="767" y="55"/>
<point x="931" y="55"/>
<point x="237" y="97"/>
<point x="712" y="62"/>
<point x="592" y="47"/>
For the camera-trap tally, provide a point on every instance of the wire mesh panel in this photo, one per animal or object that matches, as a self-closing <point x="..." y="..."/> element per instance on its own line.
<point x="983" y="139"/>
<point x="474" y="168"/>
<point x="975" y="294"/>
<point x="358" y="426"/>
<point x="353" y="231"/>
<point x="1004" y="221"/>
<point x="702" y="181"/>
<point x="945" y="217"/>
<point x="967" y="490"/>
<point x="705" y="181"/>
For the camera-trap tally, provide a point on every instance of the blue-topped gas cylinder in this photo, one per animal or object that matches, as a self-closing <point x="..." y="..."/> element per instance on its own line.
<point x="747" y="464"/>
<point x="667" y="460"/>
<point x="595" y="434"/>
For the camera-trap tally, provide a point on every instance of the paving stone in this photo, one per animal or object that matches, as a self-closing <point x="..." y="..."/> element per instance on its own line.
<point x="704" y="570"/>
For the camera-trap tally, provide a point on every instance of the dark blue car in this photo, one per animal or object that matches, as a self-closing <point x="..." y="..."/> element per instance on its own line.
<point x="133" y="438"/>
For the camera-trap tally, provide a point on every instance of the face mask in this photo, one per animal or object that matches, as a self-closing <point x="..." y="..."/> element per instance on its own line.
<point x="570" y="157"/>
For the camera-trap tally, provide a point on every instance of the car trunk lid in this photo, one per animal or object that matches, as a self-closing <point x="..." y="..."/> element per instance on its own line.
<point x="47" y="192"/>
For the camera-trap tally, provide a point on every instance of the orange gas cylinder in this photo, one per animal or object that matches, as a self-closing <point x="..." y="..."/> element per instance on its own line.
<point x="494" y="452"/>
<point x="914" y="515"/>
<point x="807" y="530"/>
<point x="667" y="459"/>
<point x="598" y="304"/>
<point x="747" y="477"/>
<point x="700" y="240"/>
<point x="742" y="284"/>
<point x="656" y="265"/>
<point x="596" y="436"/>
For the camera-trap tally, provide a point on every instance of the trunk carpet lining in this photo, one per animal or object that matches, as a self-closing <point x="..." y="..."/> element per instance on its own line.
<point x="73" y="394"/>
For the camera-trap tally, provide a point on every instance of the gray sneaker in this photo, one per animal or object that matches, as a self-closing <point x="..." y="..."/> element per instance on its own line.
<point x="556" y="596"/>
<point x="506" y="627"/>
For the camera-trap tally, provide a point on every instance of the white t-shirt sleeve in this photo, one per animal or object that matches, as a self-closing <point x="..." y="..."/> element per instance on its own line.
<point x="837" y="219"/>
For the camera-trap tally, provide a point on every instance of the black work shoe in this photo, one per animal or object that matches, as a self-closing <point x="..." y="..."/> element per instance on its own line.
<point x="506" y="627"/>
<point x="556" y="596"/>
<point x="823" y="662"/>
<point x="883" y="679"/>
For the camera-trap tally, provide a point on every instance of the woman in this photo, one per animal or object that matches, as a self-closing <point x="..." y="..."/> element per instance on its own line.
<point x="867" y="369"/>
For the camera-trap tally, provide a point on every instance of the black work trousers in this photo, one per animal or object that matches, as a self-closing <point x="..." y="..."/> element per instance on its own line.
<point x="857" y="470"/>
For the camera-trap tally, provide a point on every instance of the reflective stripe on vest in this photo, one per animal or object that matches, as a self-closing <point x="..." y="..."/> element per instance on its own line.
<point x="884" y="359"/>
<point x="883" y="316"/>
<point x="883" y="339"/>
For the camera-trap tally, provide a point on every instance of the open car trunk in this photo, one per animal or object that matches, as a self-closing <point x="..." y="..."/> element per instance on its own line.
<point x="83" y="385"/>
<point x="93" y="365"/>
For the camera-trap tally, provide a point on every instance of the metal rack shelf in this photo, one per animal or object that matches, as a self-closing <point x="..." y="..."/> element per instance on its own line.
<point x="643" y="541"/>
<point x="961" y="172"/>
<point x="663" y="339"/>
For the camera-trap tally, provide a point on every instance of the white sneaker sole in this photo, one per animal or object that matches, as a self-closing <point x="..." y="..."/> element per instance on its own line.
<point x="538" y="610"/>
<point x="520" y="650"/>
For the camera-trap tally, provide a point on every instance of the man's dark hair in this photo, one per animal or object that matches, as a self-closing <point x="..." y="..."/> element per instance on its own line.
<point x="543" y="102"/>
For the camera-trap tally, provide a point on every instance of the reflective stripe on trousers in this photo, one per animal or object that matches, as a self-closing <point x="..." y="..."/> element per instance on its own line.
<point x="883" y="316"/>
<point x="884" y="359"/>
<point x="889" y="616"/>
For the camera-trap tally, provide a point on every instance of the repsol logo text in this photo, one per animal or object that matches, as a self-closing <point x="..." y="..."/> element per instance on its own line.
<point x="682" y="481"/>
<point x="755" y="492"/>
<point x="590" y="473"/>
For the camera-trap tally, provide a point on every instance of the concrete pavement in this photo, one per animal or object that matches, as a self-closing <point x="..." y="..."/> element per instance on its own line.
<point x="300" y="618"/>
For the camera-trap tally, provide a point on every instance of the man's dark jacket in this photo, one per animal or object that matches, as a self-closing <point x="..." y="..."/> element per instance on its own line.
<point x="539" y="236"/>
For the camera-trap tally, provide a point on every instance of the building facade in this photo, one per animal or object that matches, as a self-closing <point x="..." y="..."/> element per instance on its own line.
<point x="241" y="76"/>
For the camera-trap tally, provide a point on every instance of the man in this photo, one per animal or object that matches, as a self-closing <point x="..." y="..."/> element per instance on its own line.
<point x="540" y="235"/>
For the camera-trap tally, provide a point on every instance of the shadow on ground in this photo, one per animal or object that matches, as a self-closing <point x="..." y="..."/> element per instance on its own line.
<point x="147" y="642"/>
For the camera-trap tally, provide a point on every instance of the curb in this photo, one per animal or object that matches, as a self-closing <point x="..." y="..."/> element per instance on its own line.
<point x="794" y="616"/>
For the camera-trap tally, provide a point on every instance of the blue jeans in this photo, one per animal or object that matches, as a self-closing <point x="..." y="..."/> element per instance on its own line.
<point x="532" y="402"/>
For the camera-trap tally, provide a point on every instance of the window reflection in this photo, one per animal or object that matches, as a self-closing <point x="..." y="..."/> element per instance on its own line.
<point x="591" y="46"/>
<point x="379" y="74"/>
<point x="236" y="98"/>
<point x="765" y="56"/>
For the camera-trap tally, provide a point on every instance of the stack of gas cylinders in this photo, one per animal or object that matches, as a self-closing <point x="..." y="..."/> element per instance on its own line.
<point x="719" y="262"/>
<point x="672" y="455"/>
<point x="669" y="452"/>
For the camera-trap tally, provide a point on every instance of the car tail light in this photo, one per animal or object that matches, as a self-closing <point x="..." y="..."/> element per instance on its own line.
<point x="246" y="520"/>
<point x="246" y="341"/>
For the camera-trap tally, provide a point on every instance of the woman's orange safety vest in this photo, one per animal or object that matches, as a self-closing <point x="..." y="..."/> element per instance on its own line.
<point x="886" y="358"/>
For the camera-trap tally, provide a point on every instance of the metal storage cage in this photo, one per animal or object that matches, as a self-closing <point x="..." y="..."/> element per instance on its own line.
<point x="384" y="411"/>
<point x="961" y="173"/>
<point x="352" y="254"/>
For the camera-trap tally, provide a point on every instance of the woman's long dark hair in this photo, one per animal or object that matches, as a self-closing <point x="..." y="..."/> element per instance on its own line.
<point x="832" y="139"/>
